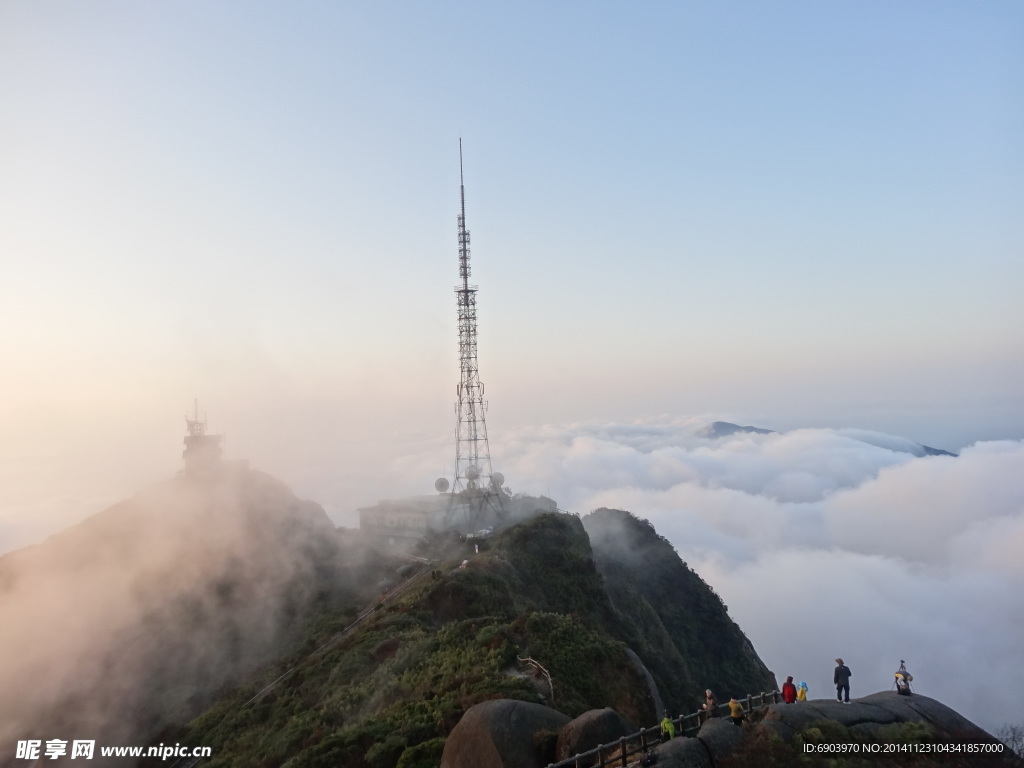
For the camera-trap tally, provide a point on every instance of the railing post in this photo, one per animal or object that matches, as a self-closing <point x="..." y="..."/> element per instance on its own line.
<point x="762" y="698"/>
<point x="622" y="750"/>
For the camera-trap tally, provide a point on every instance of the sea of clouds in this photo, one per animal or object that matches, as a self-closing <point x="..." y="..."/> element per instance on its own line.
<point x="824" y="543"/>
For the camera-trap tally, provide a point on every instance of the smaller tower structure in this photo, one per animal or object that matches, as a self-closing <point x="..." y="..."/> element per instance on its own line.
<point x="202" y="452"/>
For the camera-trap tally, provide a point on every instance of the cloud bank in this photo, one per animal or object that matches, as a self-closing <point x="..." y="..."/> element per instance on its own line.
<point x="824" y="543"/>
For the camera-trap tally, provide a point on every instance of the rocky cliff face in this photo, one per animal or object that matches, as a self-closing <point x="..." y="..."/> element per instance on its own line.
<point x="680" y="626"/>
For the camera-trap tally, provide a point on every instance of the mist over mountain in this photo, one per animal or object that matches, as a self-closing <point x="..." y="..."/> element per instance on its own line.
<point x="674" y="611"/>
<point x="136" y="616"/>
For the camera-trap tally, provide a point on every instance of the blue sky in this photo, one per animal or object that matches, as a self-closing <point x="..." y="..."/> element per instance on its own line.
<point x="788" y="214"/>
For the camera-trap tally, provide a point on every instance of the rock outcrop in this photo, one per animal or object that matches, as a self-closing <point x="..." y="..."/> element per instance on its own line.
<point x="864" y="719"/>
<point x="598" y="726"/>
<point x="716" y="739"/>
<point x="720" y="737"/>
<point x="682" y="753"/>
<point x="503" y="734"/>
<point x="867" y="715"/>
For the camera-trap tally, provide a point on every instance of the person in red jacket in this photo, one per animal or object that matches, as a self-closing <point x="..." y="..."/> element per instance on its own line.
<point x="789" y="691"/>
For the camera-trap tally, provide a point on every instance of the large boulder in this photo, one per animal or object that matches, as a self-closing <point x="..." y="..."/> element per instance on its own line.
<point x="801" y="714"/>
<point x="503" y="733"/>
<point x="598" y="726"/>
<point x="720" y="736"/>
<point x="869" y="714"/>
<point x="684" y="753"/>
<point x="915" y="708"/>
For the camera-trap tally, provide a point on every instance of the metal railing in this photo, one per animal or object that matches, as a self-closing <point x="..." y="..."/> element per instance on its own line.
<point x="618" y="752"/>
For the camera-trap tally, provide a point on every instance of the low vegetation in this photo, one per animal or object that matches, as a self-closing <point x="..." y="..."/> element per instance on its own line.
<point x="388" y="693"/>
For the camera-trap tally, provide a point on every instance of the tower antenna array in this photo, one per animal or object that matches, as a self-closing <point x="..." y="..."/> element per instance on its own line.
<point x="472" y="453"/>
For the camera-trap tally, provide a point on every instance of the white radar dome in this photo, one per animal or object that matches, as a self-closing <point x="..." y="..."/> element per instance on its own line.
<point x="472" y="473"/>
<point x="441" y="484"/>
<point x="497" y="479"/>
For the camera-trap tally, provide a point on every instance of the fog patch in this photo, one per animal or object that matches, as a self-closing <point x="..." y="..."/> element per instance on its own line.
<point x="133" y="618"/>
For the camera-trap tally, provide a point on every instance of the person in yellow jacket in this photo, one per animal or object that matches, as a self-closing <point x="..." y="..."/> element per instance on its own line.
<point x="736" y="712"/>
<point x="801" y="691"/>
<point x="668" y="728"/>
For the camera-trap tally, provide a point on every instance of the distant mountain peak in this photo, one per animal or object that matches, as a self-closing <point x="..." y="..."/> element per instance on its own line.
<point x="718" y="429"/>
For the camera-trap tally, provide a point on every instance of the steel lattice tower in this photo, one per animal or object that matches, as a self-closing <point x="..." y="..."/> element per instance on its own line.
<point x="472" y="453"/>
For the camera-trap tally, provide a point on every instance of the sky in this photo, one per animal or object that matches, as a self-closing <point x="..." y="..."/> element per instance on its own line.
<point x="803" y="216"/>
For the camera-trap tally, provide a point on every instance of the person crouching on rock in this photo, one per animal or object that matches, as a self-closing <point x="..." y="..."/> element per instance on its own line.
<point x="736" y="712"/>
<point x="668" y="728"/>
<point x="789" y="691"/>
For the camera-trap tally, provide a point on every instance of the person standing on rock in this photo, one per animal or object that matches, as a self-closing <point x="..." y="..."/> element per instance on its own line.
<point x="710" y="705"/>
<point x="801" y="691"/>
<point x="668" y="728"/>
<point x="841" y="678"/>
<point x="736" y="712"/>
<point x="789" y="691"/>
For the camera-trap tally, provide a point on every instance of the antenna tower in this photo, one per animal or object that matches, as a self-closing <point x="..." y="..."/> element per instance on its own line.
<point x="195" y="427"/>
<point x="472" y="453"/>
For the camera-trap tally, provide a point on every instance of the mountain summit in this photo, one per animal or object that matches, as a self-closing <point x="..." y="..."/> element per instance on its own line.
<point x="569" y="613"/>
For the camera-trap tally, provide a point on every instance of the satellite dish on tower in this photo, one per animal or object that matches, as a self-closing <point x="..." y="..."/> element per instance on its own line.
<point x="497" y="480"/>
<point x="472" y="473"/>
<point x="441" y="484"/>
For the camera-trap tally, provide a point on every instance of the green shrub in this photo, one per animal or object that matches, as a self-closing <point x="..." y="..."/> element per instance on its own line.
<point x="385" y="753"/>
<point x="907" y="733"/>
<point x="427" y="754"/>
<point x="826" y="732"/>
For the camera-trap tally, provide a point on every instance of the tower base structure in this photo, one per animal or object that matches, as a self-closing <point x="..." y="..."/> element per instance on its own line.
<point x="402" y="524"/>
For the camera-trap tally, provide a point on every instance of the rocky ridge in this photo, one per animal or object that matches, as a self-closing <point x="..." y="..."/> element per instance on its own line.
<point x="883" y="726"/>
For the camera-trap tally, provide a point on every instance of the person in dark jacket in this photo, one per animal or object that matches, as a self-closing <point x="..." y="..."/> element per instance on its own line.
<point x="841" y="677"/>
<point x="789" y="691"/>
